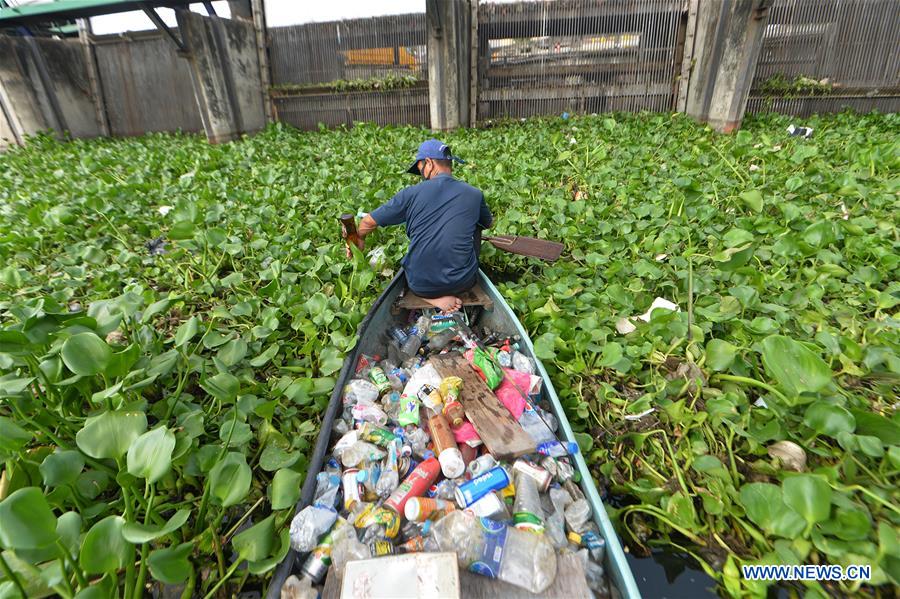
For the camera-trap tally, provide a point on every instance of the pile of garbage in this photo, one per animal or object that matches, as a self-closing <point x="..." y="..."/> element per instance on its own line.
<point x="408" y="472"/>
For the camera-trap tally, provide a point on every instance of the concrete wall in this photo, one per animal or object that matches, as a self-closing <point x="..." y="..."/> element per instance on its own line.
<point x="226" y="77"/>
<point x="146" y="85"/>
<point x="45" y="85"/>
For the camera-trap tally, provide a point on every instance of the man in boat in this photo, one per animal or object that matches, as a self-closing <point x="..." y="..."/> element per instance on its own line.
<point x="444" y="218"/>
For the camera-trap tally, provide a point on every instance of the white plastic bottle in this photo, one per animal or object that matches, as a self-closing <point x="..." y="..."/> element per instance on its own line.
<point x="498" y="551"/>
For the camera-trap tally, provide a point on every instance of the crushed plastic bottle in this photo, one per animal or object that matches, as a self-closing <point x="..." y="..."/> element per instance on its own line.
<point x="495" y="550"/>
<point x="298" y="588"/>
<point x="309" y="524"/>
<point x="359" y="391"/>
<point x="577" y="515"/>
<point x="369" y="413"/>
<point x="328" y="484"/>
<point x="554" y="523"/>
<point x="527" y="512"/>
<point x="390" y="478"/>
<point x="359" y="452"/>
<point x="522" y="363"/>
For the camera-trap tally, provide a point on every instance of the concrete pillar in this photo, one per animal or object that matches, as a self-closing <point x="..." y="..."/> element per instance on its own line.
<point x="22" y="103"/>
<point x="727" y="43"/>
<point x="449" y="39"/>
<point x="90" y="61"/>
<point x="225" y="74"/>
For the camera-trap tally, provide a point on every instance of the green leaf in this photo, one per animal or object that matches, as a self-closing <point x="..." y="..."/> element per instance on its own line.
<point x="12" y="438"/>
<point x="134" y="532"/>
<point x="876" y="425"/>
<point x="110" y="434"/>
<point x="330" y="361"/>
<point x="233" y="352"/>
<point x="229" y="480"/>
<point x="585" y="442"/>
<point x="262" y="566"/>
<point x="183" y="229"/>
<point x="187" y="331"/>
<point x="257" y="542"/>
<point x="828" y="419"/>
<point x="104" y="549"/>
<point x="753" y="199"/>
<point x="795" y="368"/>
<point x="720" y="354"/>
<point x="544" y="347"/>
<point x="223" y="386"/>
<point x="285" y="489"/>
<point x="26" y="521"/>
<point x="62" y="468"/>
<point x="86" y="354"/>
<point x="171" y="565"/>
<point x="150" y="455"/>
<point x="766" y="508"/>
<point x="264" y="357"/>
<point x="809" y="496"/>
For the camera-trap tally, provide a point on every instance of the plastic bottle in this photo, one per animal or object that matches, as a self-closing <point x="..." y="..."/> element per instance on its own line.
<point x="536" y="428"/>
<point x="346" y="548"/>
<point x="360" y="391"/>
<point x="359" y="452"/>
<point x="522" y="363"/>
<point x="419" y="509"/>
<point x="557" y="449"/>
<point x="310" y="524"/>
<point x="481" y="464"/>
<point x="417" y="439"/>
<point x="442" y="339"/>
<point x="527" y="512"/>
<point x="577" y="515"/>
<point x="449" y="456"/>
<point x="397" y="377"/>
<point x="389" y="479"/>
<point x="298" y="588"/>
<point x="446" y="489"/>
<point x="554" y="503"/>
<point x="369" y="413"/>
<point x="327" y="486"/>
<point x="595" y="576"/>
<point x="369" y="477"/>
<point x="412" y="344"/>
<point x="495" y="550"/>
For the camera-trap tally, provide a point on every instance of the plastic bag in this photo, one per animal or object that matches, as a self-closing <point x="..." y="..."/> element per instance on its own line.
<point x="485" y="366"/>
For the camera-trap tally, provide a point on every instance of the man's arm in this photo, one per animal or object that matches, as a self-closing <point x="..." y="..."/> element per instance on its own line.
<point x="485" y="218"/>
<point x="366" y="226"/>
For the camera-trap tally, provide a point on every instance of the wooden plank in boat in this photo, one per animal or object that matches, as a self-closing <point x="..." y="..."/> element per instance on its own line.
<point x="502" y="435"/>
<point x="473" y="297"/>
<point x="569" y="583"/>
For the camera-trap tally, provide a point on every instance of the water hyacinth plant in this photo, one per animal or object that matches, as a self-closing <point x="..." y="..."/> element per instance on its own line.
<point x="173" y="314"/>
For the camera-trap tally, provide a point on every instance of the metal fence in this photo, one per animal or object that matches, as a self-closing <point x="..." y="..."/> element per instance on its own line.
<point x="849" y="47"/>
<point x="146" y="85"/>
<point x="581" y="56"/>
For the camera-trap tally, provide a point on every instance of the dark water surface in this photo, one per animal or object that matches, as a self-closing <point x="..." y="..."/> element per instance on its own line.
<point x="667" y="575"/>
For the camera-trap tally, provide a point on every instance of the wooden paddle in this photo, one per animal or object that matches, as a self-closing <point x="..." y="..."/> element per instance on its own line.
<point x="527" y="246"/>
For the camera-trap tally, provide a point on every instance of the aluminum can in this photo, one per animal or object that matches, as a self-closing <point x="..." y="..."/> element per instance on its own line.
<point x="541" y="477"/>
<point x="471" y="491"/>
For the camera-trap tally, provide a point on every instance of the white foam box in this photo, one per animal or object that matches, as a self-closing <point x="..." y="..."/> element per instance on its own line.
<point x="409" y="576"/>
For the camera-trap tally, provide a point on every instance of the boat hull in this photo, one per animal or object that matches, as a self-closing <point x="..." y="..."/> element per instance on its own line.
<point x="499" y="318"/>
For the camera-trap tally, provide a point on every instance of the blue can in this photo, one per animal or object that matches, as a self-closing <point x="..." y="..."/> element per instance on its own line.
<point x="471" y="491"/>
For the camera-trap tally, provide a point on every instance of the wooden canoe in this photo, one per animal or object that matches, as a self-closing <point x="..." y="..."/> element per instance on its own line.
<point x="498" y="316"/>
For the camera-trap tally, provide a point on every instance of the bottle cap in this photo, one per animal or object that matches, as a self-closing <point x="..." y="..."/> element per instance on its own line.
<point x="412" y="509"/>
<point x="574" y="538"/>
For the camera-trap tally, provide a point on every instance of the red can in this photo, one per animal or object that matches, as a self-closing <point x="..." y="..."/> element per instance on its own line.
<point x="415" y="484"/>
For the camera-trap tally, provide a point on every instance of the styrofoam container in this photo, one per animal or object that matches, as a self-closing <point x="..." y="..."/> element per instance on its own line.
<point x="409" y="576"/>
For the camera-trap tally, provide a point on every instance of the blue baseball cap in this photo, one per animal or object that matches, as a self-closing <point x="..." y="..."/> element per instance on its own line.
<point x="434" y="149"/>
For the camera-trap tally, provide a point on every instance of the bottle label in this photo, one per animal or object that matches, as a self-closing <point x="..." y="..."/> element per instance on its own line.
<point x="528" y="521"/>
<point x="494" y="543"/>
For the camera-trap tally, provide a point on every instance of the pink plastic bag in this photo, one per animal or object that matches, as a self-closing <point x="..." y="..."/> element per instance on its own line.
<point x="509" y="396"/>
<point x="467" y="434"/>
